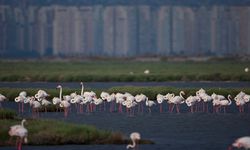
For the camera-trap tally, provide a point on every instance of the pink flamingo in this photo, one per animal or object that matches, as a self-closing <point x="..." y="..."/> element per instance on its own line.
<point x="20" y="132"/>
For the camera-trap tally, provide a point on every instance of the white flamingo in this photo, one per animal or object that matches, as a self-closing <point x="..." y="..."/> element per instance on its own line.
<point x="139" y="100"/>
<point x="41" y="94"/>
<point x="150" y="103"/>
<point x="35" y="106"/>
<point x="160" y="98"/>
<point x="168" y="97"/>
<point x="57" y="100"/>
<point x="2" y="98"/>
<point x="177" y="100"/>
<point x="20" y="100"/>
<point x="45" y="103"/>
<point x="191" y="101"/>
<point x="20" y="132"/>
<point x="218" y="103"/>
<point x="62" y="103"/>
<point x="135" y="137"/>
<point x="243" y="142"/>
<point x="226" y="102"/>
<point x="240" y="102"/>
<point x="111" y="99"/>
<point x="77" y="100"/>
<point x="65" y="105"/>
<point x="119" y="99"/>
<point x="97" y="102"/>
<point x="205" y="99"/>
<point x="104" y="96"/>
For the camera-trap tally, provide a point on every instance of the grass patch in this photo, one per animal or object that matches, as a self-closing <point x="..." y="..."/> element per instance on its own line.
<point x="105" y="71"/>
<point x="51" y="132"/>
<point x="7" y="114"/>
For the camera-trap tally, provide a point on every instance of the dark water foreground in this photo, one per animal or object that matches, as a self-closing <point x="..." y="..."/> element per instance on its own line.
<point x="184" y="131"/>
<point x="104" y="85"/>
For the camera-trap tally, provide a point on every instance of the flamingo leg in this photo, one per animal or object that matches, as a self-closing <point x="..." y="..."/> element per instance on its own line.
<point x="149" y="110"/>
<point x="139" y="108"/>
<point x="142" y="108"/>
<point x="22" y="107"/>
<point x="160" y="108"/>
<point x="177" y="108"/>
<point x="172" y="109"/>
<point x="20" y="144"/>
<point x="192" y="109"/>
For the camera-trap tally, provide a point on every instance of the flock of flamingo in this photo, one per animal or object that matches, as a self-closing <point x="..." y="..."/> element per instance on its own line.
<point x="88" y="102"/>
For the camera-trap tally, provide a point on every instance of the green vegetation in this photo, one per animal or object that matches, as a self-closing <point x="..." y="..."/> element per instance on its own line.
<point x="7" y="114"/>
<point x="151" y="92"/>
<point x="51" y="132"/>
<point x="89" y="71"/>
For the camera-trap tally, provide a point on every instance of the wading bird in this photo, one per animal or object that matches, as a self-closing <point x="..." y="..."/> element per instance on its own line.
<point x="135" y="137"/>
<point x="20" y="132"/>
<point x="2" y="98"/>
<point x="243" y="142"/>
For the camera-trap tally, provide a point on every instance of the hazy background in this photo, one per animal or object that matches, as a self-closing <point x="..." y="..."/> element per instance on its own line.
<point x="124" y="28"/>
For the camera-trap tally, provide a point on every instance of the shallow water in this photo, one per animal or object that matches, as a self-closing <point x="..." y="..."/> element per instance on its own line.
<point x="171" y="131"/>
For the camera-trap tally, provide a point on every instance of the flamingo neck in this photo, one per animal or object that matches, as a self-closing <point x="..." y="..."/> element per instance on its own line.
<point x="82" y="90"/>
<point x="60" y="96"/>
<point x="22" y="123"/>
<point x="229" y="99"/>
<point x="131" y="145"/>
<point x="181" y="94"/>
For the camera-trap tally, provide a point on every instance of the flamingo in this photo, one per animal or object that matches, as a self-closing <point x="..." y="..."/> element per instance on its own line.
<point x="41" y="94"/>
<point x="150" y="103"/>
<point x="216" y="101"/>
<point x="240" y="102"/>
<point x="97" y="101"/>
<point x="88" y="95"/>
<point x="160" y="99"/>
<point x="104" y="96"/>
<point x="111" y="99"/>
<point x="21" y="132"/>
<point x="243" y="142"/>
<point x="20" y="99"/>
<point x="45" y="103"/>
<point x="221" y="102"/>
<point x="62" y="103"/>
<point x="139" y="99"/>
<point x="135" y="137"/>
<point x="168" y="97"/>
<point x="35" y="106"/>
<point x="65" y="104"/>
<point x="77" y="100"/>
<point x="2" y="98"/>
<point x="57" y="100"/>
<point x="119" y="99"/>
<point x="205" y="98"/>
<point x="177" y="100"/>
<point x="129" y="103"/>
<point x="241" y="99"/>
<point x="226" y="102"/>
<point x="191" y="101"/>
